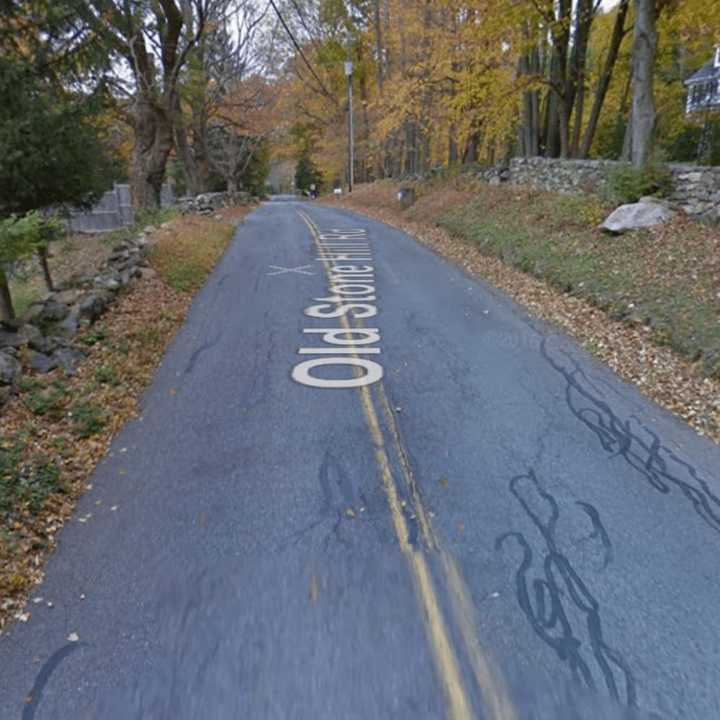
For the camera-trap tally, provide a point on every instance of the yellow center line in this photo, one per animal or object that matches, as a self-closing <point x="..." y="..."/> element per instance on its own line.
<point x="460" y="707"/>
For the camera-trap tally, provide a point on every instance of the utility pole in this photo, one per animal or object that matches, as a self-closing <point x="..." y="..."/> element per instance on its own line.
<point x="351" y="139"/>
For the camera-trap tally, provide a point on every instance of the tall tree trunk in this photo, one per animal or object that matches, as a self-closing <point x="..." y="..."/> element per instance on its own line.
<point x="452" y="145"/>
<point x="574" y="94"/>
<point x="186" y="156"/>
<point x="564" y="123"/>
<point x="470" y="155"/>
<point x="643" y="108"/>
<point x="605" y="77"/>
<point x="7" y="311"/>
<point x="42" y="254"/>
<point x="379" y="50"/>
<point x="153" y="143"/>
<point x="527" y="135"/>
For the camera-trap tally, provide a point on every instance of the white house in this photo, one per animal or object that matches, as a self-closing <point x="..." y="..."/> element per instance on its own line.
<point x="704" y="86"/>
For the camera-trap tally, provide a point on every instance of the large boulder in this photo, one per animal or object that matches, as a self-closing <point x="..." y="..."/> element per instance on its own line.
<point x="646" y="213"/>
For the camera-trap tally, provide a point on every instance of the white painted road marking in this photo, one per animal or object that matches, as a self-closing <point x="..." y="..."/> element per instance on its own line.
<point x="351" y="293"/>
<point x="300" y="270"/>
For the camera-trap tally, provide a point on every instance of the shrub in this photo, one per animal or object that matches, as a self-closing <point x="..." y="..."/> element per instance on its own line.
<point x="627" y="184"/>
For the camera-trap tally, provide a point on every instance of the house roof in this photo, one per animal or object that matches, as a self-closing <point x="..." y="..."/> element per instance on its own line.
<point x="707" y="72"/>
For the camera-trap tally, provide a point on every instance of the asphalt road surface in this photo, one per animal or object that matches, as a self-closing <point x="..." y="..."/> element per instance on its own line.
<point x="365" y="485"/>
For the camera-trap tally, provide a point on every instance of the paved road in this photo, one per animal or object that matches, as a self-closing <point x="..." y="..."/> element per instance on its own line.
<point x="498" y="528"/>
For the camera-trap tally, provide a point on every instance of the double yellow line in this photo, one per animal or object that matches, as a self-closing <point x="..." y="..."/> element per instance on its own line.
<point x="489" y="682"/>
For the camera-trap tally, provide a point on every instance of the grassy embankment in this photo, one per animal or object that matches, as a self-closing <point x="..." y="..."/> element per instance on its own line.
<point x="667" y="278"/>
<point x="647" y="302"/>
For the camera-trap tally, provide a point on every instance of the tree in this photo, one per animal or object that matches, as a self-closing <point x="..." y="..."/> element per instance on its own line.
<point x="307" y="174"/>
<point x="220" y="61"/>
<point x="643" y="73"/>
<point x="151" y="39"/>
<point x="19" y="236"/>
<point x="618" y="33"/>
<point x="53" y="155"/>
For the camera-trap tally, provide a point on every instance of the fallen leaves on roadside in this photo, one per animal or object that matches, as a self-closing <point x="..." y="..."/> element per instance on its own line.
<point x="661" y="374"/>
<point x="131" y="339"/>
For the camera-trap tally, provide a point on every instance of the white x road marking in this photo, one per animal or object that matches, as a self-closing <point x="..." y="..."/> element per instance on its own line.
<point x="300" y="270"/>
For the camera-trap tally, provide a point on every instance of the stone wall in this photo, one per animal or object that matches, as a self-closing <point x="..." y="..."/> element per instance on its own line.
<point x="695" y="188"/>
<point x="208" y="203"/>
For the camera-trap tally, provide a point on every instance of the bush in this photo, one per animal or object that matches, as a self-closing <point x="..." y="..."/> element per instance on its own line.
<point x="627" y="184"/>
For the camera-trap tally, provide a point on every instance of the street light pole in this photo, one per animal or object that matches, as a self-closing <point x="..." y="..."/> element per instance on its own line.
<point x="351" y="138"/>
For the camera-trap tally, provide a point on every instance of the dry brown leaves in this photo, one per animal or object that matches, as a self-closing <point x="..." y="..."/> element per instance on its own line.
<point x="658" y="372"/>
<point x="136" y="330"/>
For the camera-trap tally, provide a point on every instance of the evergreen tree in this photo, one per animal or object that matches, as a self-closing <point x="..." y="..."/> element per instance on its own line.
<point x="52" y="155"/>
<point x="307" y="174"/>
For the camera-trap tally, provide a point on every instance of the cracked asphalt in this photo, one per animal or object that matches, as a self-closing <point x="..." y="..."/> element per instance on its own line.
<point x="499" y="528"/>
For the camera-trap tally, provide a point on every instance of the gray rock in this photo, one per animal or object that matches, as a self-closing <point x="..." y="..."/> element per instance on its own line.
<point x="69" y="358"/>
<point x="653" y="199"/>
<point x="42" y="363"/>
<point x="93" y="305"/>
<point x="67" y="297"/>
<point x="636" y="215"/>
<point x="147" y="273"/>
<point x="37" y="341"/>
<point x="109" y="281"/>
<point x="44" y="345"/>
<point x="31" y="333"/>
<point x="9" y="369"/>
<point x="69" y="326"/>
<point x="47" y="312"/>
<point x="11" y="338"/>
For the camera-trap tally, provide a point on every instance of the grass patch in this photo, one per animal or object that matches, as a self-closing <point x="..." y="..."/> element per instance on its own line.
<point x="25" y="480"/>
<point x="44" y="399"/>
<point x="107" y="375"/>
<point x="88" y="419"/>
<point x="187" y="255"/>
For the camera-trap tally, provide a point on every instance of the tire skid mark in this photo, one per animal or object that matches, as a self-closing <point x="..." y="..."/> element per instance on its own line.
<point x="554" y="592"/>
<point x="43" y="677"/>
<point x="190" y="366"/>
<point x="637" y="444"/>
